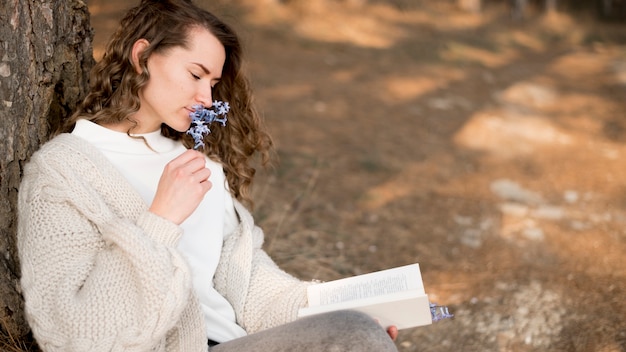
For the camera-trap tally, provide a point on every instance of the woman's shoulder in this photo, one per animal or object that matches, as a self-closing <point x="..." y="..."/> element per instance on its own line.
<point x="62" y="153"/>
<point x="64" y="143"/>
<point x="65" y="149"/>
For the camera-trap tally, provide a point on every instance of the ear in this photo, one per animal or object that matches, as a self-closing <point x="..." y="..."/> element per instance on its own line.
<point x="138" y="48"/>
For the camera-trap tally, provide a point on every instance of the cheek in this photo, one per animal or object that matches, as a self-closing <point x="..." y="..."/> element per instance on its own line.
<point x="169" y="90"/>
<point x="168" y="84"/>
<point x="177" y="84"/>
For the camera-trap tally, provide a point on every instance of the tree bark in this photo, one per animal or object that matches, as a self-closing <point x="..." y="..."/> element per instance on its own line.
<point x="550" y="6"/>
<point x="45" y="57"/>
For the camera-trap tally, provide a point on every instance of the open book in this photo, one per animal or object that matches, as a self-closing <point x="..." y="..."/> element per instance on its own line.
<point x="392" y="297"/>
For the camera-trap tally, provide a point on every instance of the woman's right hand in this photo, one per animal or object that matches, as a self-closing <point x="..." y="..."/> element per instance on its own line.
<point x="183" y="184"/>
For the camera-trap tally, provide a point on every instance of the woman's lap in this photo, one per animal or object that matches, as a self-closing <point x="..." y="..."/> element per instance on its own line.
<point x="335" y="331"/>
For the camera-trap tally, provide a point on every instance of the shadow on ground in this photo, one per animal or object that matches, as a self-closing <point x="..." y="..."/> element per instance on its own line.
<point x="489" y="151"/>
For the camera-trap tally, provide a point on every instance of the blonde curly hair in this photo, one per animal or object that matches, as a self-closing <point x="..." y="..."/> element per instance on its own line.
<point x="115" y="85"/>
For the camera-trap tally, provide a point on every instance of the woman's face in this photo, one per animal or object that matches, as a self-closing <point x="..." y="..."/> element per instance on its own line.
<point x="180" y="78"/>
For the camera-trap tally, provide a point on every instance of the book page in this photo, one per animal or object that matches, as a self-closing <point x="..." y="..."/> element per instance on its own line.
<point x="404" y="278"/>
<point x="392" y="297"/>
<point x="404" y="309"/>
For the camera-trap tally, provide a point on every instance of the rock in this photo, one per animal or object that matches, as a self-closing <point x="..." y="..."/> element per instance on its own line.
<point x="511" y="191"/>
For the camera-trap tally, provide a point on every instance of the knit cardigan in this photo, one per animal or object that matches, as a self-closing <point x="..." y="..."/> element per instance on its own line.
<point x="102" y="273"/>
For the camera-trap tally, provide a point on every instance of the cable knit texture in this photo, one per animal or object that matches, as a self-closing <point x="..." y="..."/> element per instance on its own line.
<point x="101" y="273"/>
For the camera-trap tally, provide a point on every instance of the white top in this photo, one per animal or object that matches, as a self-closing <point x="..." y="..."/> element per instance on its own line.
<point x="203" y="232"/>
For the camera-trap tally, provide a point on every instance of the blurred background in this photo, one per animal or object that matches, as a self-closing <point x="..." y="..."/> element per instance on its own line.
<point x="483" y="139"/>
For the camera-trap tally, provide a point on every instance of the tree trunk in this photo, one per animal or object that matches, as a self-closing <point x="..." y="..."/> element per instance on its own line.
<point x="550" y="6"/>
<point x="45" y="57"/>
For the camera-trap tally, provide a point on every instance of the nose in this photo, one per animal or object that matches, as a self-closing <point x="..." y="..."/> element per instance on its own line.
<point x="204" y="96"/>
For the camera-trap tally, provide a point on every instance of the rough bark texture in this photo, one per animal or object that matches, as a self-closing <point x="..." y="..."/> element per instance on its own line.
<point x="45" y="57"/>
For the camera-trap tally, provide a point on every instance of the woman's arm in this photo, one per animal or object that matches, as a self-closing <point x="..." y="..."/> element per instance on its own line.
<point x="92" y="279"/>
<point x="261" y="293"/>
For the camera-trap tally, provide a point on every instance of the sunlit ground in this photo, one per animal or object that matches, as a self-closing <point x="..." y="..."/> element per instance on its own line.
<point x="489" y="151"/>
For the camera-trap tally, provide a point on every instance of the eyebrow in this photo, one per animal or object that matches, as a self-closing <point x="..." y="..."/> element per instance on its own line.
<point x="206" y="70"/>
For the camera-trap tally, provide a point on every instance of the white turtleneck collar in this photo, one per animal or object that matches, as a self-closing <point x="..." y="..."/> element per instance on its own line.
<point x="113" y="141"/>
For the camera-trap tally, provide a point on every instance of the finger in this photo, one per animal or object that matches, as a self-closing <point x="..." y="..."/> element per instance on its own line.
<point x="186" y="157"/>
<point x="195" y="164"/>
<point x="206" y="185"/>
<point x="201" y="175"/>
<point x="392" y="331"/>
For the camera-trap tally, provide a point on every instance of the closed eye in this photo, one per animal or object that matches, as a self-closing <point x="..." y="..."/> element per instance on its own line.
<point x="196" y="77"/>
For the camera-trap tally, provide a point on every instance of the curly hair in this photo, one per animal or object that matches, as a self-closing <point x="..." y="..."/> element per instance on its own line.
<point x="115" y="85"/>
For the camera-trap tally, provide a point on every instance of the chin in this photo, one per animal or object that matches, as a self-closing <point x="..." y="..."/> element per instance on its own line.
<point x="182" y="128"/>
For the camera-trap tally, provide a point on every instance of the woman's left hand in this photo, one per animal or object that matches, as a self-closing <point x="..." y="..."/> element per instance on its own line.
<point x="392" y="331"/>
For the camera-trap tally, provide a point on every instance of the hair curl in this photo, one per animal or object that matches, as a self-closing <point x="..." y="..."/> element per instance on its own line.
<point x="115" y="85"/>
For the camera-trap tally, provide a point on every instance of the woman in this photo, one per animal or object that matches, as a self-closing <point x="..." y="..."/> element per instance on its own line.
<point x="130" y="240"/>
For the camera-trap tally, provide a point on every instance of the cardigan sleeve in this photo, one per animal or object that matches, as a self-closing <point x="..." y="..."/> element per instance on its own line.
<point x="94" y="280"/>
<point x="274" y="296"/>
<point x="262" y="294"/>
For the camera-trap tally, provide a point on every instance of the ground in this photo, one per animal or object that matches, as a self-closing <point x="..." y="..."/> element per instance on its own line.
<point x="490" y="151"/>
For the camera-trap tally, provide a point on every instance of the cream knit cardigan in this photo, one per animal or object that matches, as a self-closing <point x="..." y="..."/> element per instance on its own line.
<point x="101" y="273"/>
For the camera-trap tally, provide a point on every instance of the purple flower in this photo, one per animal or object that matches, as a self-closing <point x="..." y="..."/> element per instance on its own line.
<point x="439" y="312"/>
<point x="202" y="117"/>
